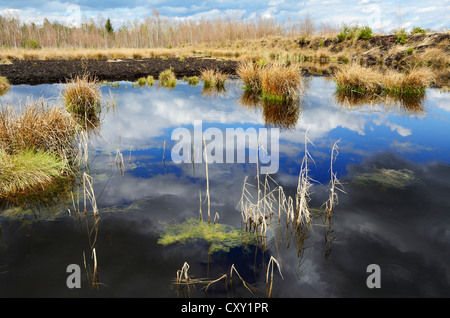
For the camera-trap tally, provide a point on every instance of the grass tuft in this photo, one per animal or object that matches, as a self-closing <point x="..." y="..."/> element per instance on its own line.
<point x="250" y="73"/>
<point x="82" y="96"/>
<point x="150" y="80"/>
<point x="193" y="80"/>
<point x="356" y="78"/>
<point x="27" y="169"/>
<point x="276" y="82"/>
<point x="213" y="78"/>
<point x="167" y="79"/>
<point x="281" y="82"/>
<point x="4" y="85"/>
<point x="142" y="81"/>
<point x="37" y="146"/>
<point x="37" y="127"/>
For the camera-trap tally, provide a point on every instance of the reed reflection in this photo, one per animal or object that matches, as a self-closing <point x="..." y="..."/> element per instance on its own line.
<point x="408" y="102"/>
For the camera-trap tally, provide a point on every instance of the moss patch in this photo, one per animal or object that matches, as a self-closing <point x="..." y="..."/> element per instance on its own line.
<point x="221" y="237"/>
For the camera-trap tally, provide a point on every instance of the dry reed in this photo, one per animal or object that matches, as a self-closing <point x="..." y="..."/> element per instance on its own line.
<point x="270" y="266"/>
<point x="335" y="185"/>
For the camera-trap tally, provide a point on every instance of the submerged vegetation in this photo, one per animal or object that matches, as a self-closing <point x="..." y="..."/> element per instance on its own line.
<point x="387" y="178"/>
<point x="220" y="237"/>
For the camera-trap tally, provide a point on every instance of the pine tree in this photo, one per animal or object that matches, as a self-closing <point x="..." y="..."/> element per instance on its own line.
<point x="108" y="26"/>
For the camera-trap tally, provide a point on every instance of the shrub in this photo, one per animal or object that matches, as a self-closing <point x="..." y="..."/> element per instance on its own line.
<point x="417" y="30"/>
<point x="409" y="51"/>
<point x="402" y="37"/>
<point x="31" y="44"/>
<point x="343" y="35"/>
<point x="347" y="33"/>
<point x="365" y="33"/>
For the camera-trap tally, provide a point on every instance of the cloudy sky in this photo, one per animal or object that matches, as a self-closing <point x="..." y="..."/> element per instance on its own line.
<point x="381" y="15"/>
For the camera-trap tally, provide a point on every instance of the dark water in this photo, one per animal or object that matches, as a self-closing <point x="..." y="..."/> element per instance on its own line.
<point x="393" y="161"/>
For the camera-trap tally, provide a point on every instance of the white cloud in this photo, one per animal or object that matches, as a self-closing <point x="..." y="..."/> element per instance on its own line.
<point x="331" y="11"/>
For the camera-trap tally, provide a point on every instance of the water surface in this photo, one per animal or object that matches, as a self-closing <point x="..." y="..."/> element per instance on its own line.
<point x="393" y="161"/>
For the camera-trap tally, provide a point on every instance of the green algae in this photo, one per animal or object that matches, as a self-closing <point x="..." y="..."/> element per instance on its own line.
<point x="220" y="237"/>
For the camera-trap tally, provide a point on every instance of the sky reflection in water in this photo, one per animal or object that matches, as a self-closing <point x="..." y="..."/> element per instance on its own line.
<point x="404" y="230"/>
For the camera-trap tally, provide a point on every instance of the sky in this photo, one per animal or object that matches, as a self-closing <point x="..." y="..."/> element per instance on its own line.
<point x="381" y="15"/>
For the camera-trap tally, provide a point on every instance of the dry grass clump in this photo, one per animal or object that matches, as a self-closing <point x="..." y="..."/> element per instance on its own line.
<point x="4" y="85"/>
<point x="36" y="146"/>
<point x="435" y="57"/>
<point x="213" y="78"/>
<point x="415" y="81"/>
<point x="250" y="73"/>
<point x="82" y="96"/>
<point x="167" y="79"/>
<point x="37" y="127"/>
<point x="275" y="81"/>
<point x="281" y="82"/>
<point x="356" y="78"/>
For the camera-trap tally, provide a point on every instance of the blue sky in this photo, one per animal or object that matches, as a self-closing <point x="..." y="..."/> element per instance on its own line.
<point x="381" y="15"/>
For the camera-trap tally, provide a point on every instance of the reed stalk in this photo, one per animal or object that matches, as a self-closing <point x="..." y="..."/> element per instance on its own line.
<point x="270" y="266"/>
